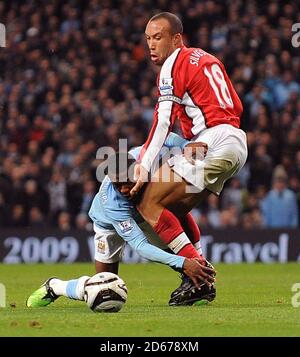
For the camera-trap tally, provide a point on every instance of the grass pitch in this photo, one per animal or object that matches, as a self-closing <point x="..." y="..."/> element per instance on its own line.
<point x="252" y="300"/>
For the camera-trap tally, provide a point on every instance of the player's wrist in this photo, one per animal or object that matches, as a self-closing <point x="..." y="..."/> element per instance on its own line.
<point x="184" y="144"/>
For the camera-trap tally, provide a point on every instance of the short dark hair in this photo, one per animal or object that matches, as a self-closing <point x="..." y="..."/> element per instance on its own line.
<point x="174" y="21"/>
<point x="119" y="165"/>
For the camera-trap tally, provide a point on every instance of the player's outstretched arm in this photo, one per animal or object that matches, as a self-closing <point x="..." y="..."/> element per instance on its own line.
<point x="135" y="237"/>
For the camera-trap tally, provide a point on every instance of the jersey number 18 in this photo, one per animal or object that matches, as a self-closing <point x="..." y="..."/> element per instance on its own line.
<point x="219" y="85"/>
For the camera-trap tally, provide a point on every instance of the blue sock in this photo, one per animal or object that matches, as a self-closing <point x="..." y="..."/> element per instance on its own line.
<point x="71" y="289"/>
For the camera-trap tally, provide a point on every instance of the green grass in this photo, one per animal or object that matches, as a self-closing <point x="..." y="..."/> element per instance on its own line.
<point x="252" y="300"/>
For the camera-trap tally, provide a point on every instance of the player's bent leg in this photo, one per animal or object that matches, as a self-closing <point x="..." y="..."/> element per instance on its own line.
<point x="53" y="288"/>
<point x="192" y="230"/>
<point x="106" y="267"/>
<point x="183" y="207"/>
<point x="168" y="189"/>
<point x="157" y="196"/>
<point x="164" y="184"/>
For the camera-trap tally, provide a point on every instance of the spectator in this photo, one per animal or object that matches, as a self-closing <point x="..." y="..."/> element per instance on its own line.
<point x="57" y="193"/>
<point x="36" y="218"/>
<point x="76" y="77"/>
<point x="83" y="222"/>
<point x="213" y="212"/>
<point x="229" y="217"/>
<point x="280" y="208"/>
<point x="18" y="216"/>
<point x="233" y="195"/>
<point x="64" y="221"/>
<point x="89" y="190"/>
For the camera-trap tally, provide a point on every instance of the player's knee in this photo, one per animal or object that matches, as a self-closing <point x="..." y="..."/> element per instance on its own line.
<point x="152" y="214"/>
<point x="146" y="210"/>
<point x="142" y="208"/>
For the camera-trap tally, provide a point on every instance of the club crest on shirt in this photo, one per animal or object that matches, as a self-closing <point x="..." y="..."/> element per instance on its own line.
<point x="126" y="226"/>
<point x="165" y="86"/>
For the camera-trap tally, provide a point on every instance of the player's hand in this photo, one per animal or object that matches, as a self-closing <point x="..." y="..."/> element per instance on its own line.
<point x="198" y="273"/>
<point x="141" y="176"/>
<point x="195" y="151"/>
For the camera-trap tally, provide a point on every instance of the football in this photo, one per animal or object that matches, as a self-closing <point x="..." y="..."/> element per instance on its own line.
<point x="105" y="292"/>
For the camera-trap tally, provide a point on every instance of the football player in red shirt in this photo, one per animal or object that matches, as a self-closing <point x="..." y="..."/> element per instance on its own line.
<point x="193" y="87"/>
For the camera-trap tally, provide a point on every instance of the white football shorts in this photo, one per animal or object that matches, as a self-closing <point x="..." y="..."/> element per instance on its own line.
<point x="226" y="155"/>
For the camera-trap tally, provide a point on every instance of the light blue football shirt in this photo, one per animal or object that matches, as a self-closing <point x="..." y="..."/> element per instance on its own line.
<point x="111" y="210"/>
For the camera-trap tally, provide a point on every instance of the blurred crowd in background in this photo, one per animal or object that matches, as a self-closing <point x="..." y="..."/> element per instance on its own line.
<point x="76" y="76"/>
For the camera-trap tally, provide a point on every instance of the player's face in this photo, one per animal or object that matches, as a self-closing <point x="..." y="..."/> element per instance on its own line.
<point x="124" y="188"/>
<point x="160" y="40"/>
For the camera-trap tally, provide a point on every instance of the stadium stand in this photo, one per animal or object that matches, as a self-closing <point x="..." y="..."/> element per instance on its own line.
<point x="76" y="76"/>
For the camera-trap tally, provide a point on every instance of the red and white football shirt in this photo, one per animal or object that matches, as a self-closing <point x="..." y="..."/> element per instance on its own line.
<point x="195" y="88"/>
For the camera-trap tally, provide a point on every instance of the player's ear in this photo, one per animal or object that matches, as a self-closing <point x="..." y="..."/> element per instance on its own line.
<point x="177" y="39"/>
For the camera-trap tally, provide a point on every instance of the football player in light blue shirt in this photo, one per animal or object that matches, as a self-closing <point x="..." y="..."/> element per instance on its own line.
<point x="116" y="221"/>
<point x="112" y="211"/>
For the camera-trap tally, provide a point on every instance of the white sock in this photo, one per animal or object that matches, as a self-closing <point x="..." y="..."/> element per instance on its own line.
<point x="73" y="289"/>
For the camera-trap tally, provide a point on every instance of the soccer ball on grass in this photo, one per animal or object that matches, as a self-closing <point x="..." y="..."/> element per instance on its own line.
<point x="105" y="292"/>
